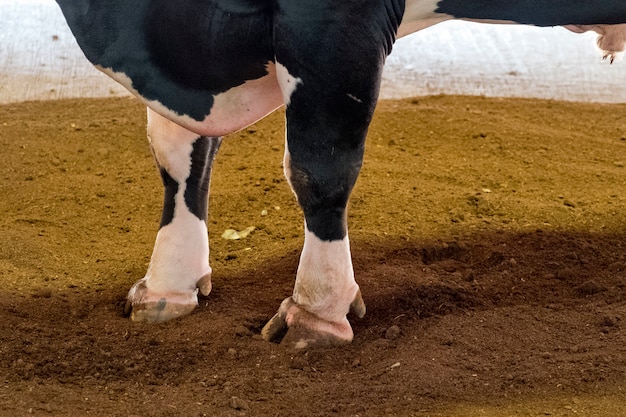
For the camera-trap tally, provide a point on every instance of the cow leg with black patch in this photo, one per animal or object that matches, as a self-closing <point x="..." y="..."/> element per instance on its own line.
<point x="330" y="81"/>
<point x="180" y="260"/>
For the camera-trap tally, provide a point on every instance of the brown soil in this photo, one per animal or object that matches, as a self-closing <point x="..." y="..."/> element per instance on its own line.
<point x="488" y="238"/>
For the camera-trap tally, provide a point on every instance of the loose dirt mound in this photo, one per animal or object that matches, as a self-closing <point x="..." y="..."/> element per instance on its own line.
<point x="489" y="239"/>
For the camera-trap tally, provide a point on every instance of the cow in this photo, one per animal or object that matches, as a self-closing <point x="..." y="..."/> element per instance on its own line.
<point x="207" y="68"/>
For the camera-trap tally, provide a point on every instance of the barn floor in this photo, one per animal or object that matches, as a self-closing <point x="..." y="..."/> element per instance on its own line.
<point x="488" y="237"/>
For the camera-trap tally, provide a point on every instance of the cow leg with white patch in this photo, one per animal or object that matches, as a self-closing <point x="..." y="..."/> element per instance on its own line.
<point x="330" y="82"/>
<point x="180" y="260"/>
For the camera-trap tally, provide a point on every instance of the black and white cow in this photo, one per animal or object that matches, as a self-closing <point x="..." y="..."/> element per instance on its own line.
<point x="207" y="68"/>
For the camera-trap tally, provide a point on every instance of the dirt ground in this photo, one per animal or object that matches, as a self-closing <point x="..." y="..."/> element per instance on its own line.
<point x="488" y="235"/>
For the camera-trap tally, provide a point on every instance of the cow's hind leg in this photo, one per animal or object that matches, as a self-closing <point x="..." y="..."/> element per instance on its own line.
<point x="330" y="95"/>
<point x="180" y="260"/>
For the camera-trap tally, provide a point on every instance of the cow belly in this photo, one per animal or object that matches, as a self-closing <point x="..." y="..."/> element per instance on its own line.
<point x="231" y="111"/>
<point x="241" y="106"/>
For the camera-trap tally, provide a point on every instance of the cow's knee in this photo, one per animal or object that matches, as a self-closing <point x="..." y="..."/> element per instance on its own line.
<point x="322" y="188"/>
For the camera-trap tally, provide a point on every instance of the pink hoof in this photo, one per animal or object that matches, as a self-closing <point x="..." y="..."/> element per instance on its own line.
<point x="204" y="284"/>
<point x="295" y="327"/>
<point x="145" y="306"/>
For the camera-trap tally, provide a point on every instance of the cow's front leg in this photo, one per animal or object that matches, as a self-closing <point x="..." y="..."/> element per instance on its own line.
<point x="329" y="105"/>
<point x="180" y="260"/>
<point x="321" y="175"/>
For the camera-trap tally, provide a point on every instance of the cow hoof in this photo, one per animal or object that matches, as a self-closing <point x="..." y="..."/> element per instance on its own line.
<point x="147" y="307"/>
<point x="295" y="327"/>
<point x="204" y="285"/>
